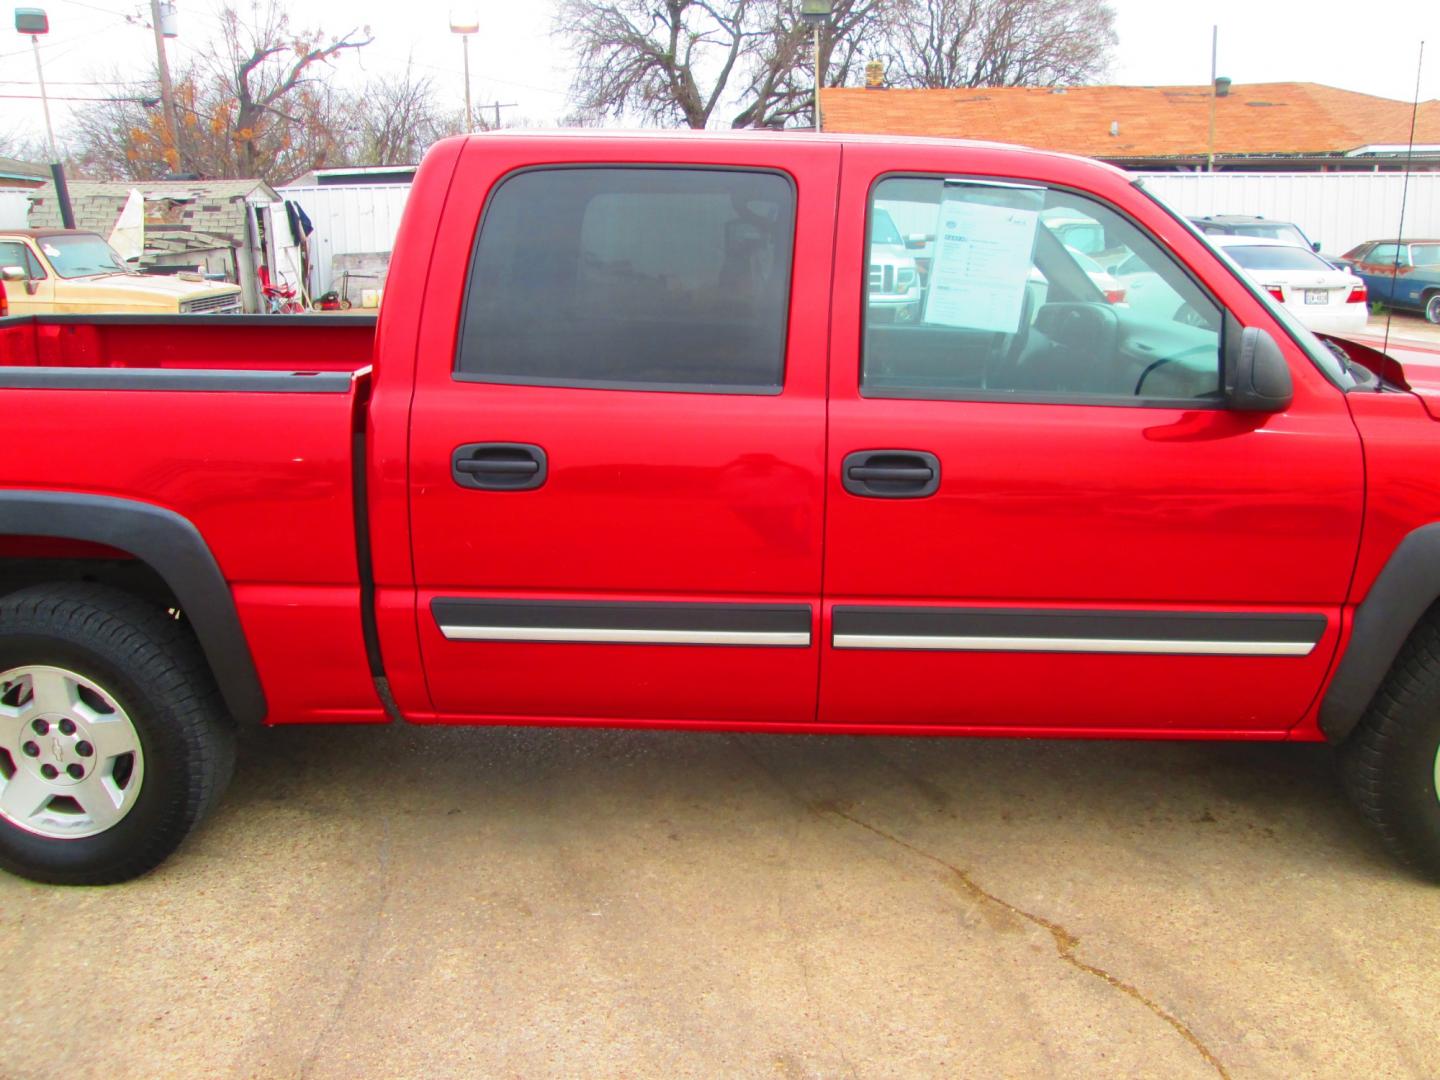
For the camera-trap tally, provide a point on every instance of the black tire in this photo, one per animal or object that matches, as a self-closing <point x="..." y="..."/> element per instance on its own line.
<point x="148" y="665"/>
<point x="1432" y="308"/>
<point x="1389" y="763"/>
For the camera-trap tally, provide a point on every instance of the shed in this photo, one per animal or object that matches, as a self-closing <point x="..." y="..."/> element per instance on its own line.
<point x="215" y="226"/>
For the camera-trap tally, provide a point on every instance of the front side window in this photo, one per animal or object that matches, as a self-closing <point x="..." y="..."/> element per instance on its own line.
<point x="13" y="254"/>
<point x="632" y="278"/>
<point x="1024" y="292"/>
<point x="1387" y="255"/>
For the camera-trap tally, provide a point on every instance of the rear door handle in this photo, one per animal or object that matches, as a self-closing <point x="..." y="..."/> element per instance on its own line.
<point x="497" y="466"/>
<point x="891" y="474"/>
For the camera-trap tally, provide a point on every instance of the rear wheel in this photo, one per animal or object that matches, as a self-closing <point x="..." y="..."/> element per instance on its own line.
<point x="1391" y="763"/>
<point x="1432" y="307"/>
<point x="112" y="741"/>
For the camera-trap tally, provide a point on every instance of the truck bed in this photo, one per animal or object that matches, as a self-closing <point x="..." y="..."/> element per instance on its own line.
<point x="247" y="343"/>
<point x="245" y="426"/>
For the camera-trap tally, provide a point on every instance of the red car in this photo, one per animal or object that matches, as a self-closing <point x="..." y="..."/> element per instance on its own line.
<point x="631" y="446"/>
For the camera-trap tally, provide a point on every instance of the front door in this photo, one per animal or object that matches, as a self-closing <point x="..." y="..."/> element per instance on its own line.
<point x="1041" y="516"/>
<point x="617" y="474"/>
<point x="35" y="294"/>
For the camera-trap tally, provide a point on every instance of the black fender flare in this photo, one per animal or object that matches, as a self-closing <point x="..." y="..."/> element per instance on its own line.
<point x="1405" y="588"/>
<point x="171" y="546"/>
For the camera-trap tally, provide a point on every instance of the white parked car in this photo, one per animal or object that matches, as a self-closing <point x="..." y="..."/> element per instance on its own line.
<point x="1321" y="296"/>
<point x="894" y="282"/>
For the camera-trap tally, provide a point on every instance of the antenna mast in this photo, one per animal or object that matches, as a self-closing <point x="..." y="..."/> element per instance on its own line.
<point x="1404" y="195"/>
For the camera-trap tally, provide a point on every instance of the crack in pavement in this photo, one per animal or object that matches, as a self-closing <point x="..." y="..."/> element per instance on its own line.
<point x="352" y="983"/>
<point x="1066" y="943"/>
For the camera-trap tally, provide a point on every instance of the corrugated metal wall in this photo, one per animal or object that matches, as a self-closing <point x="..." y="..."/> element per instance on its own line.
<point x="348" y="219"/>
<point x="1338" y="209"/>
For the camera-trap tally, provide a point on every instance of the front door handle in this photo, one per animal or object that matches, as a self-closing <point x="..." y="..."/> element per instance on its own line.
<point x="496" y="466"/>
<point x="891" y="474"/>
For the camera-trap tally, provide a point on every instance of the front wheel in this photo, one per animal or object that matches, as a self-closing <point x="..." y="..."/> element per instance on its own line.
<point x="112" y="742"/>
<point x="1432" y="308"/>
<point x="1391" y="762"/>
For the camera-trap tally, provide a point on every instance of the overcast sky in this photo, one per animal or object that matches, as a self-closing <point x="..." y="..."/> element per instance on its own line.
<point x="515" y="58"/>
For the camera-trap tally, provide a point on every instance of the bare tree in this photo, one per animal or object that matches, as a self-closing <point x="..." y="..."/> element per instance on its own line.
<point x="395" y="118"/>
<point x="780" y="88"/>
<point x="946" y="44"/>
<point x="257" y="102"/>
<point x="22" y="147"/>
<point x="683" y="61"/>
<point x="660" y="61"/>
<point x="264" y="66"/>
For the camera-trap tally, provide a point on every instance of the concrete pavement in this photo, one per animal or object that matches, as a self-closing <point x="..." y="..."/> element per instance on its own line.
<point x="402" y="902"/>
<point x="1405" y="329"/>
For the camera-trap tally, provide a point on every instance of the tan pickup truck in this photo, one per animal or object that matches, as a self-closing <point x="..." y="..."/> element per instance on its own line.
<point x="70" y="272"/>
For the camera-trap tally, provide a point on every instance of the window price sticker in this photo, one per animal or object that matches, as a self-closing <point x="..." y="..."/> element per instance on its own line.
<point x="984" y="240"/>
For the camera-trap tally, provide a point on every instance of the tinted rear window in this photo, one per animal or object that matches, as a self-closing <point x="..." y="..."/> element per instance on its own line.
<point x="1261" y="257"/>
<point x="640" y="278"/>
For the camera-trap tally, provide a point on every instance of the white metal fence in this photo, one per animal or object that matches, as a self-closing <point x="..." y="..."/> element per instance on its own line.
<point x="1337" y="209"/>
<point x="348" y="219"/>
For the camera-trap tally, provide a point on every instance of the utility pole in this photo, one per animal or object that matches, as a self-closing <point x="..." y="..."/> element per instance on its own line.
<point x="816" y="13"/>
<point x="44" y="98"/>
<point x="167" y="90"/>
<point x="469" y="115"/>
<point x="1214" y="74"/>
<point x="817" y="76"/>
<point x="34" y="22"/>
<point x="465" y="22"/>
<point x="502" y="105"/>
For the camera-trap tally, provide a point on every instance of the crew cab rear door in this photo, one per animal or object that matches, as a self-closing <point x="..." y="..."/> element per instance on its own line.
<point x="616" y="456"/>
<point x="1041" y="515"/>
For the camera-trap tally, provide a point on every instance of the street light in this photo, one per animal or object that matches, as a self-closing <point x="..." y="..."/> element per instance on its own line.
<point x="816" y="13"/>
<point x="466" y="21"/>
<point x="34" y="21"/>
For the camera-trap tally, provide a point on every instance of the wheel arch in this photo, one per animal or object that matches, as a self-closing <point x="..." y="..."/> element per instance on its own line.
<point x="1406" y="587"/>
<point x="171" y="547"/>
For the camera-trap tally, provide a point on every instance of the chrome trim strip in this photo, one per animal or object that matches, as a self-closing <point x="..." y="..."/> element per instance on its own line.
<point x="605" y="635"/>
<point x="1083" y="645"/>
<point x="185" y="380"/>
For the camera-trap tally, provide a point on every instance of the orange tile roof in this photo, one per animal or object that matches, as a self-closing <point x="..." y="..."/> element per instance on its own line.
<point x="1154" y="121"/>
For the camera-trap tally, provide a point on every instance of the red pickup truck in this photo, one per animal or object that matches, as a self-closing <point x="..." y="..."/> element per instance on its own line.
<point x="644" y="437"/>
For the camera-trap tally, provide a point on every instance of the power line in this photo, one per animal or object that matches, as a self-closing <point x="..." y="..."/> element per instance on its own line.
<point x="73" y="82"/>
<point x="395" y="62"/>
<point x="58" y="97"/>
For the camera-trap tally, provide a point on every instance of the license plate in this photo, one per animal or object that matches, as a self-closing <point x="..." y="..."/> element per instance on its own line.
<point x="1317" y="296"/>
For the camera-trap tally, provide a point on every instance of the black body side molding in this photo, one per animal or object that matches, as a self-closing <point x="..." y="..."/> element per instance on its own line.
<point x="1404" y="590"/>
<point x="172" y="547"/>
